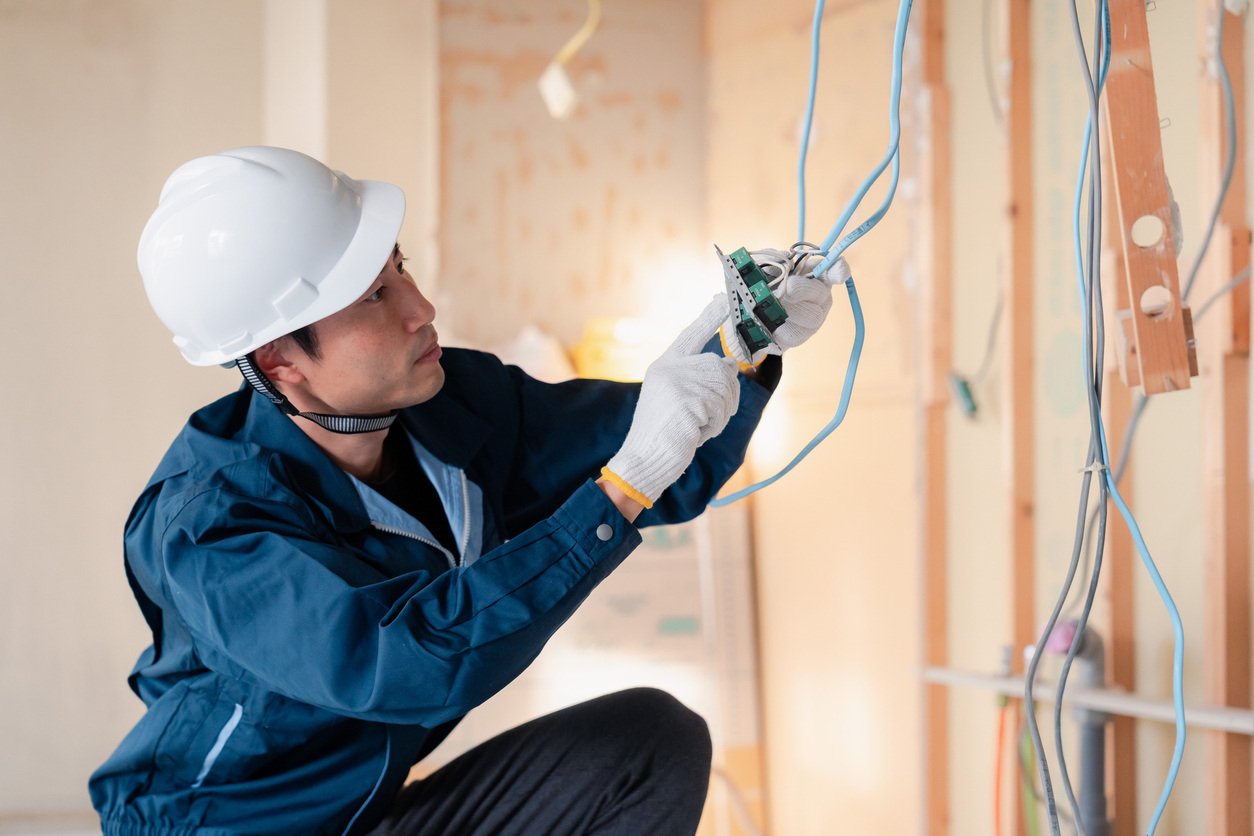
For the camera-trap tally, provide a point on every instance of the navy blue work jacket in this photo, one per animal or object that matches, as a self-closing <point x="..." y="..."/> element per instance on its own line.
<point x="307" y="649"/>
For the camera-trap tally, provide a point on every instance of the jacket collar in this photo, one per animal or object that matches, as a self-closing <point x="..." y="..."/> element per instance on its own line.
<point x="445" y="427"/>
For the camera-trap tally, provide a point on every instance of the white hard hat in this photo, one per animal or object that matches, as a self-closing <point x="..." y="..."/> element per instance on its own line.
<point x="254" y="243"/>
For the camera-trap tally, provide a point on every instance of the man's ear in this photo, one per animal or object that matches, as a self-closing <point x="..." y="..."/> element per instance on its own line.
<point x="274" y="361"/>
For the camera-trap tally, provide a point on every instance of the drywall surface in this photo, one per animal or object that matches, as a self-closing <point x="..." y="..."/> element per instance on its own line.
<point x="101" y="101"/>
<point x="835" y="539"/>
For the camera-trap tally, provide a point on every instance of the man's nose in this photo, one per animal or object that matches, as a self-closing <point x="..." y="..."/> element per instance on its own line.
<point x="419" y="311"/>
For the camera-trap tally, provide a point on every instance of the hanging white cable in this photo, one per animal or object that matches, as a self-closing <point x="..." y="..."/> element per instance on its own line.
<point x="555" y="85"/>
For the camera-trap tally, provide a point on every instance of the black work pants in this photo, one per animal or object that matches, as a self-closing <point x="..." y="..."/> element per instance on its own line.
<point x="634" y="762"/>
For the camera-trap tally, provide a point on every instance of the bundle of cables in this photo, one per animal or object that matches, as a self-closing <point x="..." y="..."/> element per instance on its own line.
<point x="819" y="259"/>
<point x="1088" y="268"/>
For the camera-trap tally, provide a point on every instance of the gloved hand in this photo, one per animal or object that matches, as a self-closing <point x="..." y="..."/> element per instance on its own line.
<point x="805" y="300"/>
<point x="686" y="399"/>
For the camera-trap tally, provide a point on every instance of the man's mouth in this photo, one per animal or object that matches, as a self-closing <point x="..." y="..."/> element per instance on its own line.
<point x="431" y="354"/>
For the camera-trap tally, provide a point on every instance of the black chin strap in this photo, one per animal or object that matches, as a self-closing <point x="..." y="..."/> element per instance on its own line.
<point x="345" y="424"/>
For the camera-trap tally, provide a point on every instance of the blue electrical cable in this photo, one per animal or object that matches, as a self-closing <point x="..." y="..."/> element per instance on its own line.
<point x="1177" y="630"/>
<point x="1080" y="176"/>
<point x="1177" y="626"/>
<point x="1092" y="384"/>
<point x="855" y="306"/>
<point x="1177" y="680"/>
<point x="890" y="157"/>
<point x="831" y="253"/>
<point x="1230" y="125"/>
<point x="850" y="372"/>
<point x="805" y="133"/>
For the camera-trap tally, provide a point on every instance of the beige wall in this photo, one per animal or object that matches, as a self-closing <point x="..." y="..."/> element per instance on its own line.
<point x="549" y="222"/>
<point x="102" y="99"/>
<point x="382" y="105"/>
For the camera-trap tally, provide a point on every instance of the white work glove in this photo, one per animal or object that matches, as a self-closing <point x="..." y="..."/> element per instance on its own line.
<point x="805" y="300"/>
<point x="686" y="399"/>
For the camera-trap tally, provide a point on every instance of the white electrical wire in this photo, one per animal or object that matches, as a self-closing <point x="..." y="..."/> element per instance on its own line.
<point x="581" y="37"/>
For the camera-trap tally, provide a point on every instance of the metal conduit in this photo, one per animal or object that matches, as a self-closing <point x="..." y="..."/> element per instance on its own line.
<point x="1238" y="720"/>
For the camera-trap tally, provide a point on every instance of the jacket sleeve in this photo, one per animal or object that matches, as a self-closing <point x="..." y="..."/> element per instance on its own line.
<point x="570" y="430"/>
<point x="268" y="601"/>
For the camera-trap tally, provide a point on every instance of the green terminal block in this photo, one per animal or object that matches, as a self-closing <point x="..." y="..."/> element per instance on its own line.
<point x="751" y="333"/>
<point x="769" y="312"/>
<point x="963" y="395"/>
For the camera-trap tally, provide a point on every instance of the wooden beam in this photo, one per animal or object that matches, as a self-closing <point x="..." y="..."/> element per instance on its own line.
<point x="1019" y="406"/>
<point x="1118" y="626"/>
<point x="1225" y="452"/>
<point x="1230" y="247"/>
<point x="935" y="319"/>
<point x="934" y="528"/>
<point x="1020" y="423"/>
<point x="1224" y="344"/>
<point x="1155" y="315"/>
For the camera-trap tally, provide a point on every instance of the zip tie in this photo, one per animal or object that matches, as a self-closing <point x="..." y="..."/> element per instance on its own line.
<point x="1096" y="467"/>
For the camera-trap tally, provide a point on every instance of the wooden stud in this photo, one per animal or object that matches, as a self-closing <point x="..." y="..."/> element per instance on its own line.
<point x="1118" y="626"/>
<point x="1230" y="246"/>
<point x="1120" y="631"/>
<point x="1019" y="409"/>
<point x="1144" y="205"/>
<point x="1225" y="451"/>
<point x="1019" y="404"/>
<point x="1224" y="343"/>
<point x="935" y="318"/>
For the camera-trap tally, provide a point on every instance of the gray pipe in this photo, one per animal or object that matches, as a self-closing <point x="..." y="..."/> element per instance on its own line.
<point x="1090" y="671"/>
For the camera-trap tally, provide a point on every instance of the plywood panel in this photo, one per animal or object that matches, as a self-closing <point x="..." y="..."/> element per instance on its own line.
<point x="551" y="222"/>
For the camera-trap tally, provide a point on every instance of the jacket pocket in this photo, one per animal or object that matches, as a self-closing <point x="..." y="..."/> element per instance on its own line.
<point x="224" y="737"/>
<point x="196" y="748"/>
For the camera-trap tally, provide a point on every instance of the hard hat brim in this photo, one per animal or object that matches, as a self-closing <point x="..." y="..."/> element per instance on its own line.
<point x="382" y="213"/>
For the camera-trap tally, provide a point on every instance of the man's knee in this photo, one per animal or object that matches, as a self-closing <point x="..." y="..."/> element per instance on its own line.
<point x="650" y="714"/>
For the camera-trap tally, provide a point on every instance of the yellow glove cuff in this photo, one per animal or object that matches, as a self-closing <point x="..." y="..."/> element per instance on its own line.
<point x="622" y="485"/>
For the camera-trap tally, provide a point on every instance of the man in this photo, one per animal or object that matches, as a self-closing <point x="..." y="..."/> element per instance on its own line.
<point x="342" y="558"/>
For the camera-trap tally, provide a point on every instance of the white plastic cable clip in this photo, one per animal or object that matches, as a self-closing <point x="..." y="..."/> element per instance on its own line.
<point x="839" y="273"/>
<point x="1096" y="467"/>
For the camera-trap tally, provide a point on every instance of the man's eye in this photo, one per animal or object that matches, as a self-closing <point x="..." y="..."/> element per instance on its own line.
<point x="400" y="265"/>
<point x="377" y="295"/>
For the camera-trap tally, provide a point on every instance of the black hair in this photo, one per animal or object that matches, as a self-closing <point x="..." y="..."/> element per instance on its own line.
<point x="307" y="339"/>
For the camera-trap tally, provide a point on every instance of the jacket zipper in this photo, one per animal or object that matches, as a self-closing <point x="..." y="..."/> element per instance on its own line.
<point x="465" y="515"/>
<point x="453" y="563"/>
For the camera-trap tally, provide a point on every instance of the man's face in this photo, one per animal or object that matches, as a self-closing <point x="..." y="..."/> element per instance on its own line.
<point x="378" y="354"/>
